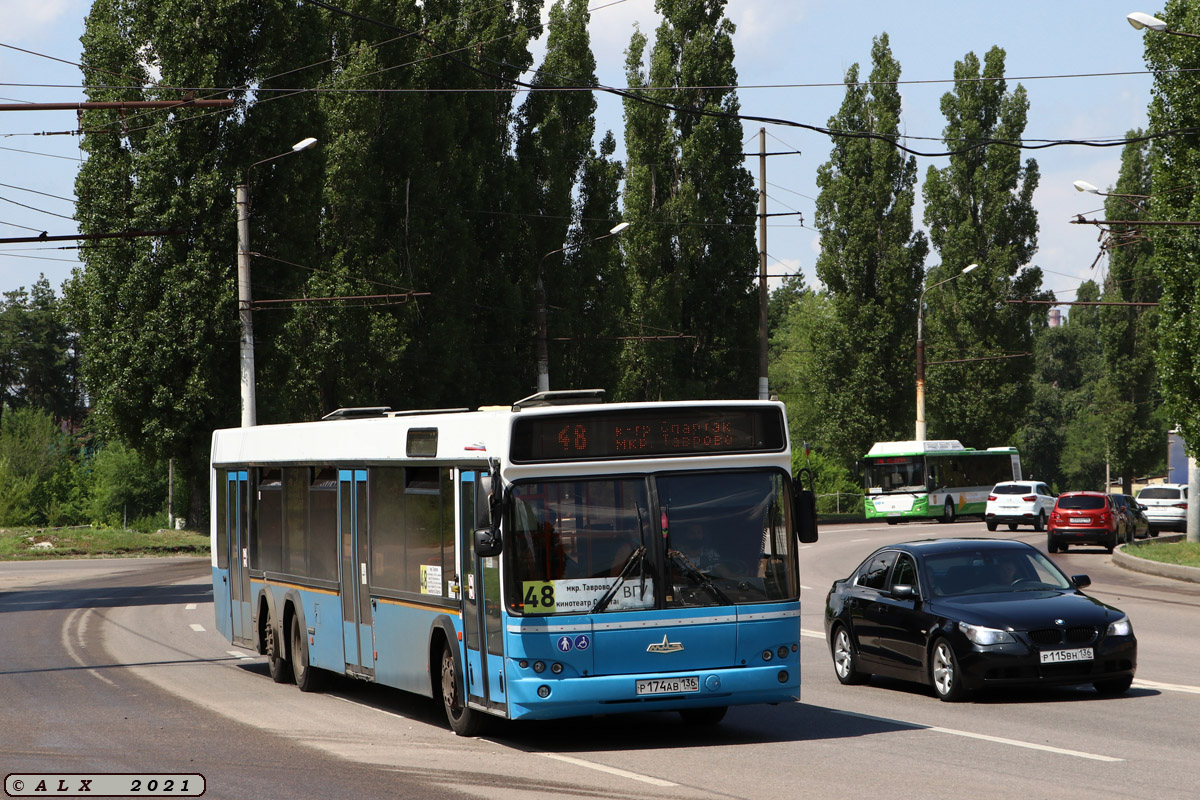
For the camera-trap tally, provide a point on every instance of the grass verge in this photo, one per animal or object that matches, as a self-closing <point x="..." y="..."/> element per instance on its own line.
<point x="1184" y="553"/>
<point x="29" y="544"/>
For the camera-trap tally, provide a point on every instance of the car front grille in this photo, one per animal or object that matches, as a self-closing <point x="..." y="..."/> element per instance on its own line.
<point x="1083" y="634"/>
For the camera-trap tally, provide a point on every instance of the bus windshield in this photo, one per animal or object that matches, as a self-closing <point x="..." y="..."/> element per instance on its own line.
<point x="895" y="474"/>
<point x="623" y="544"/>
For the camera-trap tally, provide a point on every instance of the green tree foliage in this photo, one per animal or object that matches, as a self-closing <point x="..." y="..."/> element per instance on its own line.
<point x="36" y="354"/>
<point x="35" y="467"/>
<point x="690" y="253"/>
<point x="979" y="210"/>
<point x="872" y="264"/>
<point x="1175" y="183"/>
<point x="797" y="313"/>
<point x="1134" y="430"/>
<point x="122" y="487"/>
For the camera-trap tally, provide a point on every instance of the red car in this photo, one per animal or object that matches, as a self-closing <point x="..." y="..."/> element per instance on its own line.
<point x="1083" y="518"/>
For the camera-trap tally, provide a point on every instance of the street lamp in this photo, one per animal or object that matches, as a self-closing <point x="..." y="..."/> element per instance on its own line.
<point x="1140" y="20"/>
<point x="1084" y="186"/>
<point x="543" y="358"/>
<point x="921" y="351"/>
<point x="249" y="417"/>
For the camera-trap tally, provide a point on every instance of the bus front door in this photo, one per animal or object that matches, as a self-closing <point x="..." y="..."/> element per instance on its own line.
<point x="483" y="632"/>
<point x="238" y="519"/>
<point x="357" y="621"/>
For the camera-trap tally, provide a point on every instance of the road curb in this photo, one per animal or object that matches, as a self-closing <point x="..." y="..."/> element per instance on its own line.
<point x="1135" y="564"/>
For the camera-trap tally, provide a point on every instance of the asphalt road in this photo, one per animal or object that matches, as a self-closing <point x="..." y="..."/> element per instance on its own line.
<point x="114" y="666"/>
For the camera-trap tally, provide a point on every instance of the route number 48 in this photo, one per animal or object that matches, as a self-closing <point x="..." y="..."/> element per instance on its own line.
<point x="538" y="597"/>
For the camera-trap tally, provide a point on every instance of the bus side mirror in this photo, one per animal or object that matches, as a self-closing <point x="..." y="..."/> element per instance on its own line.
<point x="488" y="542"/>
<point x="804" y="506"/>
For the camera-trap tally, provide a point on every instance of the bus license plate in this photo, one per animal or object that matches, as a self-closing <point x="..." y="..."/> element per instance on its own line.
<point x="1064" y="656"/>
<point x="689" y="683"/>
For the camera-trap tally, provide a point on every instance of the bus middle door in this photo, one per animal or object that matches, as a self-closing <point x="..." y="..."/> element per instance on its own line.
<point x="357" y="620"/>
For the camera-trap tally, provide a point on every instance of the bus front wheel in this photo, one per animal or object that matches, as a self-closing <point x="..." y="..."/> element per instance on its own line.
<point x="464" y="721"/>
<point x="948" y="511"/>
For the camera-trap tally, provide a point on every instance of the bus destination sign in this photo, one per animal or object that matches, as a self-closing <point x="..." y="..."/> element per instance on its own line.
<point x="642" y="433"/>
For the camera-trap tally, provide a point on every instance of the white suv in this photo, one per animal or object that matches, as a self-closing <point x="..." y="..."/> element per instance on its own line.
<point x="1019" y="503"/>
<point x="1166" y="506"/>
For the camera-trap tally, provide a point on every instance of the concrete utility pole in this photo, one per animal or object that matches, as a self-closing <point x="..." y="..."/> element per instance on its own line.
<point x="245" y="317"/>
<point x="1193" y="506"/>
<point x="245" y="312"/>
<point x="763" y="387"/>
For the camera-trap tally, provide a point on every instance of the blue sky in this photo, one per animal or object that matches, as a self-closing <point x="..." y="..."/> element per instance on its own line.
<point x="791" y="56"/>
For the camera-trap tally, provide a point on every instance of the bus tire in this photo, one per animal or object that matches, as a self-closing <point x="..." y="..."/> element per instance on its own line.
<point x="307" y="677"/>
<point x="464" y="721"/>
<point x="703" y="716"/>
<point x="948" y="511"/>
<point x="277" y="662"/>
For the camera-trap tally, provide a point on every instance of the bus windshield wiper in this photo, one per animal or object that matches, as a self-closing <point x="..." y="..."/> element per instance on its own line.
<point x="698" y="576"/>
<point x="634" y="558"/>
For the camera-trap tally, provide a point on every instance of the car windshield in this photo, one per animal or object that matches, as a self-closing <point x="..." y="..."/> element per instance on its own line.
<point x="1013" y="488"/>
<point x="1082" y="502"/>
<point x="1159" y="493"/>
<point x="624" y="544"/>
<point x="984" y="571"/>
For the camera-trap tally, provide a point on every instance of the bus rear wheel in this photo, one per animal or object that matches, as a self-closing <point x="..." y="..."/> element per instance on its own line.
<point x="948" y="511"/>
<point x="464" y="721"/>
<point x="277" y="663"/>
<point x="307" y="677"/>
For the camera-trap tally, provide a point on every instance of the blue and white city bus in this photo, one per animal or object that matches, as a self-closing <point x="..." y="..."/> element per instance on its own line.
<point x="559" y="557"/>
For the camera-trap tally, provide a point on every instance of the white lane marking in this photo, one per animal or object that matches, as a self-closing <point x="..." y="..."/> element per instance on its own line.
<point x="811" y="634"/>
<point x="190" y="607"/>
<point x="79" y="617"/>
<point x="859" y="540"/>
<point x="197" y="627"/>
<point x="238" y="654"/>
<point x="981" y="736"/>
<point x="1166" y="687"/>
<point x="579" y="762"/>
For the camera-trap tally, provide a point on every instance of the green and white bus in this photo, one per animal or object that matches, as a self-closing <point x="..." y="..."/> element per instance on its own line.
<point x="933" y="479"/>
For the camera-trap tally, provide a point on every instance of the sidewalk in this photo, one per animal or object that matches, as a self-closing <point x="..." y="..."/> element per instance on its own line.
<point x="1130" y="561"/>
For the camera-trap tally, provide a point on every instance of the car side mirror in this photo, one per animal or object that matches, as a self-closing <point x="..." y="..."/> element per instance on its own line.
<point x="904" y="591"/>
<point x="488" y="542"/>
<point x="1081" y="581"/>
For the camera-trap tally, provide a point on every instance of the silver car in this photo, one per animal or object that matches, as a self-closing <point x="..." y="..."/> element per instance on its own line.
<point x="1165" y="505"/>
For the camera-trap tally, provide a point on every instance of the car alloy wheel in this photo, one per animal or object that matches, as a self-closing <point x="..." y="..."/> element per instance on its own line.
<point x="947" y="678"/>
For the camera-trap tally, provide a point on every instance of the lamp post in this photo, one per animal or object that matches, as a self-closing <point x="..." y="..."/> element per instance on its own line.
<point x="543" y="358"/>
<point x="921" y="351"/>
<point x="1084" y="186"/>
<point x="1140" y="20"/>
<point x="249" y="417"/>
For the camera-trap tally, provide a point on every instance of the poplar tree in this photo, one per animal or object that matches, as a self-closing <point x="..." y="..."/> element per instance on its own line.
<point x="1175" y="184"/>
<point x="690" y="252"/>
<point x="979" y="210"/>
<point x="871" y="263"/>
<point x="1134" y="430"/>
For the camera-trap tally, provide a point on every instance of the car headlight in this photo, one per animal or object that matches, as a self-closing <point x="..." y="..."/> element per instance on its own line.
<point x="1122" y="627"/>
<point x="981" y="635"/>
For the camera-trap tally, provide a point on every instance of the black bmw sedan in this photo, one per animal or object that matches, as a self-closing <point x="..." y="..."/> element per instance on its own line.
<point x="965" y="614"/>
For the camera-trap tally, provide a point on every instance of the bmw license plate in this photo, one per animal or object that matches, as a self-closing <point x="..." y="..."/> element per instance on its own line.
<point x="1065" y="656"/>
<point x="1081" y="520"/>
<point x="688" y="683"/>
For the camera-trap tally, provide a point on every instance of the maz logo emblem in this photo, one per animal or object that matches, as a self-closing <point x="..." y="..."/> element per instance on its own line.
<point x="665" y="647"/>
